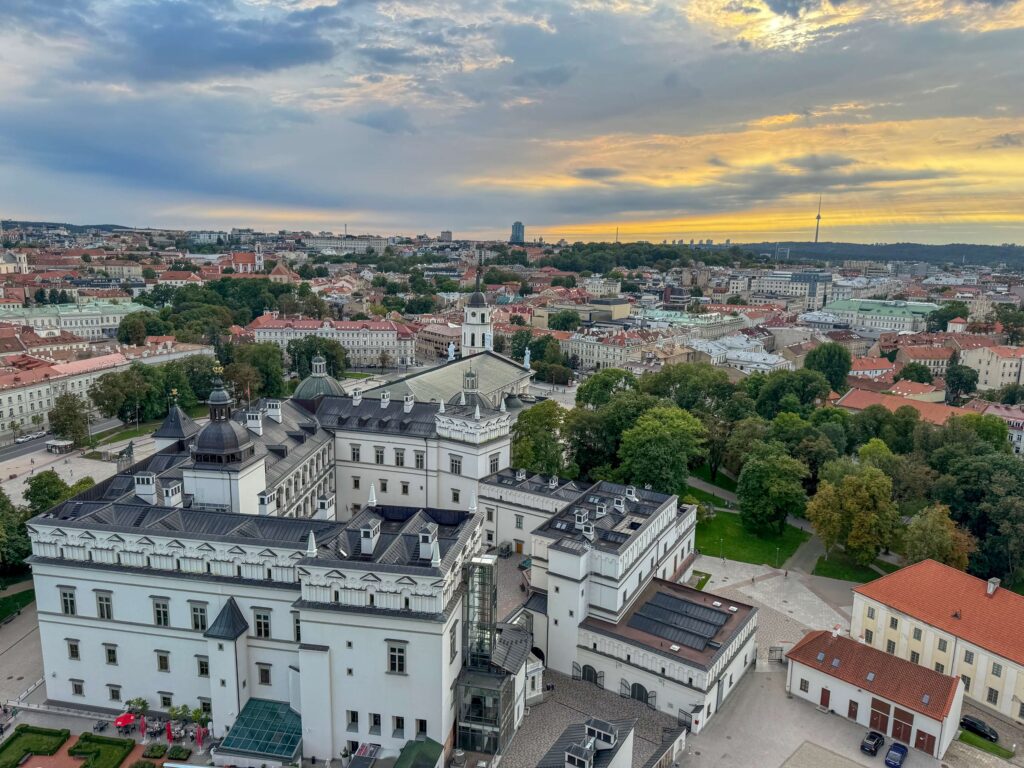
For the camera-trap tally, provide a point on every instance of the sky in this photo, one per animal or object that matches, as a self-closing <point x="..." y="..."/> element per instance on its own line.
<point x="664" y="120"/>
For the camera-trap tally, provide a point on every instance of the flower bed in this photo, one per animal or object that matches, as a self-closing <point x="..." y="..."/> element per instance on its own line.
<point x="101" y="751"/>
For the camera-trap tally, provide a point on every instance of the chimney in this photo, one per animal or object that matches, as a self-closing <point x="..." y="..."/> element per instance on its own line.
<point x="145" y="487"/>
<point x="273" y="411"/>
<point x="553" y="481"/>
<point x="368" y="536"/>
<point x="427" y="538"/>
<point x="520" y="475"/>
<point x="357" y="396"/>
<point x="268" y="502"/>
<point x="172" y="495"/>
<point x="385" y="399"/>
<point x="407" y="403"/>
<point x="254" y="422"/>
<point x="993" y="585"/>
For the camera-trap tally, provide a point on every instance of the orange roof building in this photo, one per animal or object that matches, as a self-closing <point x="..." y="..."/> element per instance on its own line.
<point x="915" y="705"/>
<point x="948" y="620"/>
<point x="857" y="400"/>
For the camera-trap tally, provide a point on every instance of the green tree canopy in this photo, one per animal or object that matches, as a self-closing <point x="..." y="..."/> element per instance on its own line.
<point x="939" y="318"/>
<point x="770" y="489"/>
<point x="832" y="361"/>
<point x="69" y="418"/>
<point x="536" y="446"/>
<point x="933" y="535"/>
<point x="960" y="380"/>
<point x="915" y="372"/>
<point x="302" y="351"/>
<point x="599" y="388"/>
<point x="657" y="450"/>
<point x="564" y="320"/>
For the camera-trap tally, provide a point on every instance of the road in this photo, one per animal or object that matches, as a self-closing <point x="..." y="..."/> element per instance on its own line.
<point x="14" y="450"/>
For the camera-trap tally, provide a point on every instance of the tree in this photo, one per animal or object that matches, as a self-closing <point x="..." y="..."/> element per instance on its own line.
<point x="828" y="516"/>
<point x="960" y="380"/>
<point x="564" y="320"/>
<point x="302" y="351"/>
<point x="265" y="358"/>
<point x="535" y="439"/>
<point x="658" y="449"/>
<point x="384" y="358"/>
<point x="781" y="390"/>
<point x="939" y="319"/>
<point x="599" y="388"/>
<point x="856" y="512"/>
<point x="45" y="490"/>
<point x="832" y="361"/>
<point x="933" y="535"/>
<point x="915" y="372"/>
<point x="244" y="380"/>
<point x="697" y="387"/>
<point x="520" y="341"/>
<point x="69" y="418"/>
<point x="14" y="542"/>
<point x="770" y="489"/>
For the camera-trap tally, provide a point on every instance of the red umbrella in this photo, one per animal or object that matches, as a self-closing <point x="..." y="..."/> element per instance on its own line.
<point x="142" y="725"/>
<point x="169" y="739"/>
<point x="123" y="721"/>
<point x="199" y="737"/>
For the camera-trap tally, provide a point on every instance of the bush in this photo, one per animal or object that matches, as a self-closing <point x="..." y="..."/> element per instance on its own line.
<point x="28" y="739"/>
<point x="178" y="753"/>
<point x="101" y="751"/>
<point x="142" y="764"/>
<point x="155" y="750"/>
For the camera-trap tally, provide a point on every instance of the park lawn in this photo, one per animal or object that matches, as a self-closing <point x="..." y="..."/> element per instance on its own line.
<point x="704" y="496"/>
<point x="985" y="745"/>
<point x="840" y="566"/>
<point x="14" y="603"/>
<point x="722" y="480"/>
<point x="886" y="566"/>
<point x="724" y="536"/>
<point x="30" y="740"/>
<point x="145" y="428"/>
<point x="356" y="375"/>
<point x="702" y="578"/>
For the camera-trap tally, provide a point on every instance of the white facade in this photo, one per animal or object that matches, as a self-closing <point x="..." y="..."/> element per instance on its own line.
<point x="365" y="341"/>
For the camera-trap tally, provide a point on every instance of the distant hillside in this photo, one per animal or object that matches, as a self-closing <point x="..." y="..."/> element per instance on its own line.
<point x="955" y="253"/>
<point x="11" y="223"/>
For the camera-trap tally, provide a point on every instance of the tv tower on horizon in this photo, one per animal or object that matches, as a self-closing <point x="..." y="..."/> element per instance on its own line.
<point x="817" y="222"/>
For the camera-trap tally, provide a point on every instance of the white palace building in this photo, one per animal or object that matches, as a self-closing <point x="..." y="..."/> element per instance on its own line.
<point x="315" y="573"/>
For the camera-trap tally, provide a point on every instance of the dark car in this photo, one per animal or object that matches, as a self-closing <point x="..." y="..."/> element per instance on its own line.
<point x="979" y="726"/>
<point x="896" y="756"/>
<point x="872" y="743"/>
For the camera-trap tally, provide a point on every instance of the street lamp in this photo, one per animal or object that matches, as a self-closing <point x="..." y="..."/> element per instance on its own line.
<point x="721" y="548"/>
<point x="776" y="557"/>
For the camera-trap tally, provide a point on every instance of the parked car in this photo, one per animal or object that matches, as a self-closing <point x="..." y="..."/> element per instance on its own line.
<point x="23" y="438"/>
<point x="873" y="742"/>
<point x="896" y="756"/>
<point x="979" y="726"/>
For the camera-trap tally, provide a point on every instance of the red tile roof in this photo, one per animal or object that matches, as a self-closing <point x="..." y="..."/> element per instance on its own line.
<point x="937" y="594"/>
<point x="897" y="680"/>
<point x="907" y="388"/>
<point x="859" y="364"/>
<point x="936" y="413"/>
<point x="927" y="353"/>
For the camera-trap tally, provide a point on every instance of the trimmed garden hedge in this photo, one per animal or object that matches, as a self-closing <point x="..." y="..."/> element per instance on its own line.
<point x="155" y="750"/>
<point x="31" y="740"/>
<point x="101" y="751"/>
<point x="178" y="753"/>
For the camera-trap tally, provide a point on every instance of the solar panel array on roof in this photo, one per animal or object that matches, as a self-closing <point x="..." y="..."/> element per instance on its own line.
<point x="678" y="621"/>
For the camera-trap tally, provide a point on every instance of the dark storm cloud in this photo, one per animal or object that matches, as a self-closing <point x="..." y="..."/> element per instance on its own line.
<point x="547" y="77"/>
<point x="393" y="120"/>
<point x="596" y="173"/>
<point x="183" y="40"/>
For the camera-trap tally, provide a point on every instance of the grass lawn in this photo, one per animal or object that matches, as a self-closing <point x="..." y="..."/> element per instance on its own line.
<point x="14" y="603"/>
<point x="29" y="739"/>
<point x="887" y="566"/>
<point x="724" y="536"/>
<point x="840" y="566"/>
<point x="702" y="578"/>
<point x="722" y="481"/>
<point x="101" y="751"/>
<point x="356" y="375"/>
<point x="707" y="498"/>
<point x="145" y="428"/>
<point x="985" y="745"/>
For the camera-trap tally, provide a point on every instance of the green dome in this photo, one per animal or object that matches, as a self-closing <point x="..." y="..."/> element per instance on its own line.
<point x="318" y="383"/>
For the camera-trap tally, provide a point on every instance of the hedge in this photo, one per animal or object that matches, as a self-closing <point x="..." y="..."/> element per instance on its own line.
<point x="101" y="751"/>
<point x="178" y="753"/>
<point x="155" y="750"/>
<point x="29" y="739"/>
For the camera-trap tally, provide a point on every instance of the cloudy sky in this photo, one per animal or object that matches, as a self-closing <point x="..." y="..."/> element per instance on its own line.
<point x="688" y="119"/>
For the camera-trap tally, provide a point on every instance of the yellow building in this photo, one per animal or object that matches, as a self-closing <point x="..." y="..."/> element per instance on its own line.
<point x="952" y="622"/>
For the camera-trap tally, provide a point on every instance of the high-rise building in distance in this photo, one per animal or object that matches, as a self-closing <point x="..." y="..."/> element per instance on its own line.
<point x="518" y="234"/>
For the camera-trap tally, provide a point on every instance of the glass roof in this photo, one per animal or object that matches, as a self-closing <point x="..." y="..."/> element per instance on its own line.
<point x="266" y="728"/>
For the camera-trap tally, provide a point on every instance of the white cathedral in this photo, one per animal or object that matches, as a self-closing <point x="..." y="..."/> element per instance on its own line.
<point x="327" y="564"/>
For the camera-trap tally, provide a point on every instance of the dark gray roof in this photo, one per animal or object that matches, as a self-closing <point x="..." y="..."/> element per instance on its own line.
<point x="177" y="426"/>
<point x="230" y="624"/>
<point x="574" y="739"/>
<point x="512" y="648"/>
<point x="222" y="437"/>
<point x="477" y="300"/>
<point x="317" y="385"/>
<point x="538" y="603"/>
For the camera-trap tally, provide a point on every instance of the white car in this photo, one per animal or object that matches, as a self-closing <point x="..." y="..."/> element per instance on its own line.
<point x="24" y="439"/>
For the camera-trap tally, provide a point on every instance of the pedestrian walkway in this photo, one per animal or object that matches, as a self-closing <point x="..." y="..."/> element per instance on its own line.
<point x="703" y="485"/>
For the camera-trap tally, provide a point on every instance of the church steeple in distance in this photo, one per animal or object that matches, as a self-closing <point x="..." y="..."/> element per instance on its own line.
<point x="476" y="318"/>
